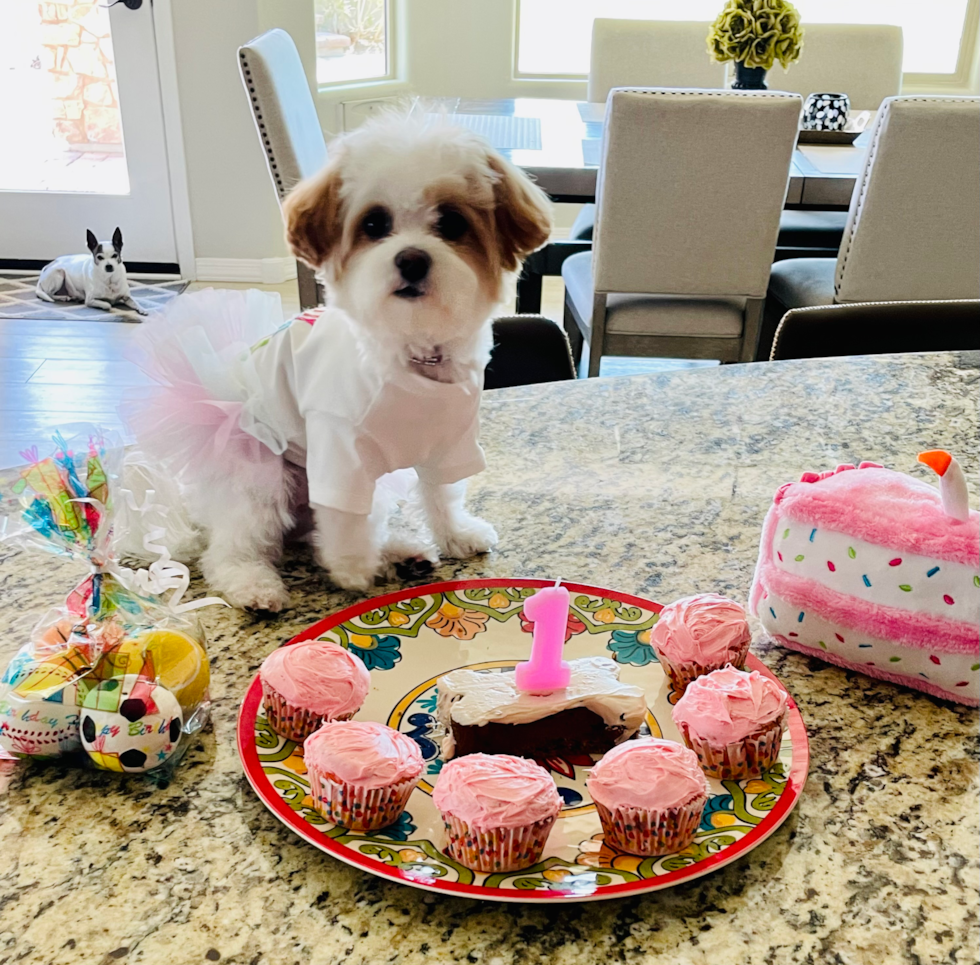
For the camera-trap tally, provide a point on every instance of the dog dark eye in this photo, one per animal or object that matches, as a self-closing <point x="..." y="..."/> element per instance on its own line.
<point x="376" y="224"/>
<point x="99" y="257"/>
<point x="451" y="224"/>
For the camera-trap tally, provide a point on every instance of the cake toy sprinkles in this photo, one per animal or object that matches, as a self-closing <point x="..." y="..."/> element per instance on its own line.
<point x="878" y="572"/>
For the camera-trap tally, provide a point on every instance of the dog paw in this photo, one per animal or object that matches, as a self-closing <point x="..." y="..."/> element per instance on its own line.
<point x="468" y="537"/>
<point x="352" y="572"/>
<point x="254" y="588"/>
<point x="408" y="558"/>
<point x="142" y="311"/>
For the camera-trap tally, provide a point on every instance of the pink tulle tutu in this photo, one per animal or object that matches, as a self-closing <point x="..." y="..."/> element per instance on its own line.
<point x="193" y="351"/>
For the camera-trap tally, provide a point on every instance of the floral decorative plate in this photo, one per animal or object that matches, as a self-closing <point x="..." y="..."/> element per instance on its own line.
<point x="411" y="638"/>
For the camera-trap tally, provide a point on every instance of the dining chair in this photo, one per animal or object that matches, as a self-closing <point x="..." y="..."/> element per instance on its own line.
<point x="645" y="53"/>
<point x="650" y="53"/>
<point x="862" y="60"/>
<point x="528" y="349"/>
<point x="913" y="228"/>
<point x="690" y="186"/>
<point x="287" y="123"/>
<point x="878" y="328"/>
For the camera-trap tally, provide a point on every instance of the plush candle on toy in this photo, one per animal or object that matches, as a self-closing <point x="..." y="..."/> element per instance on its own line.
<point x="876" y="571"/>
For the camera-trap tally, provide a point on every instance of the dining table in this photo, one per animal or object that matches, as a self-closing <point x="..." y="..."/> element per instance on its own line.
<point x="656" y="485"/>
<point x="558" y="143"/>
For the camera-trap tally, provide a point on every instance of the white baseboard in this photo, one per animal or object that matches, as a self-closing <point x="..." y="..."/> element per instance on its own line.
<point x="266" y="271"/>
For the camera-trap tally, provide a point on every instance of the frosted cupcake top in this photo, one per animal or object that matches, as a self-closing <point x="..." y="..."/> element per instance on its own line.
<point x="318" y="676"/>
<point x="363" y="753"/>
<point x="727" y="705"/>
<point x="706" y="629"/>
<point x="649" y="773"/>
<point x="496" y="791"/>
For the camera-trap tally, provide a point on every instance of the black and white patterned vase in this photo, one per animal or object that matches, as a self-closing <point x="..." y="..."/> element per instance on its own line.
<point x="826" y="112"/>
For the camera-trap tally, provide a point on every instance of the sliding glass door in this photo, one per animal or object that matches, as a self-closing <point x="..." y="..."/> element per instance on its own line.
<point x="82" y="141"/>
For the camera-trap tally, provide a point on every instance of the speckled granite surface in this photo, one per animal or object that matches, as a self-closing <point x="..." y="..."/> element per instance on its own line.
<point x="656" y="485"/>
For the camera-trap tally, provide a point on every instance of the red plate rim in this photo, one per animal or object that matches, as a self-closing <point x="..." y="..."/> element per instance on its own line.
<point x="260" y="784"/>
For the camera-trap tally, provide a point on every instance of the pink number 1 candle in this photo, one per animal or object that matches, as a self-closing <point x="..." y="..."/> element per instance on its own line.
<point x="546" y="671"/>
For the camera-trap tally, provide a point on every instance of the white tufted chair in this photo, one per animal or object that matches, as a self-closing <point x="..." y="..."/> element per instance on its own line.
<point x="287" y="123"/>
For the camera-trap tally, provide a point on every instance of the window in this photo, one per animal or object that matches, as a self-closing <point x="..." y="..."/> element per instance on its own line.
<point x="555" y="35"/>
<point x="351" y="40"/>
<point x="58" y="92"/>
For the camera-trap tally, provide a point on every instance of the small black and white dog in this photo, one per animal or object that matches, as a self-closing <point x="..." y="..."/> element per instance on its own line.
<point x="98" y="279"/>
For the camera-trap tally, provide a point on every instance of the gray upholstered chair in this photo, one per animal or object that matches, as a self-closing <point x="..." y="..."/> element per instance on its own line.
<point x="645" y="53"/>
<point x="862" y="60"/>
<point x="913" y="228"/>
<point x="287" y="123"/>
<point x="689" y="192"/>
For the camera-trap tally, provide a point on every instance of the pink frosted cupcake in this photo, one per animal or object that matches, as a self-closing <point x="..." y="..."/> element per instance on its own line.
<point x="307" y="683"/>
<point x="498" y="810"/>
<point x="698" y="634"/>
<point x="361" y="773"/>
<point x="733" y="721"/>
<point x="650" y="794"/>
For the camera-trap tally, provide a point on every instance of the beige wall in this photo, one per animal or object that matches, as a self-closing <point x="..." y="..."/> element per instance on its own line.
<point x="233" y="205"/>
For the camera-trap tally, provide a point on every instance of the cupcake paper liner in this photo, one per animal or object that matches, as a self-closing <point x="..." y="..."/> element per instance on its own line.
<point x="359" y="808"/>
<point x="287" y="720"/>
<point x="496" y="849"/>
<point x="651" y="833"/>
<point x="681" y="673"/>
<point x="748" y="757"/>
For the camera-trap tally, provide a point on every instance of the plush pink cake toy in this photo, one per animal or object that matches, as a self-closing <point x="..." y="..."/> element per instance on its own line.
<point x="878" y="572"/>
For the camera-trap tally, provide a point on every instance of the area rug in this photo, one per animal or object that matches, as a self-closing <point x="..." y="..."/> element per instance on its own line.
<point x="17" y="300"/>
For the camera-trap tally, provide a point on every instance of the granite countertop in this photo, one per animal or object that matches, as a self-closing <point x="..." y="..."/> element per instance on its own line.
<point x="656" y="485"/>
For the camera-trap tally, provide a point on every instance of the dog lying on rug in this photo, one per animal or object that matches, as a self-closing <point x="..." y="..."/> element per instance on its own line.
<point x="417" y="231"/>
<point x="98" y="279"/>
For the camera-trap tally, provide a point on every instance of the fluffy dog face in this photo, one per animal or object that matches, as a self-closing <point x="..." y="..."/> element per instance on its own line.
<point x="107" y="255"/>
<point x="415" y="229"/>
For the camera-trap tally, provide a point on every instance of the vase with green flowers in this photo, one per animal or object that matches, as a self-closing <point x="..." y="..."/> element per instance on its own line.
<point x="755" y="34"/>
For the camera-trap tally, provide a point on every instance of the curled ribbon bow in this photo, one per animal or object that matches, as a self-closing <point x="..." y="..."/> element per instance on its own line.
<point x="162" y="574"/>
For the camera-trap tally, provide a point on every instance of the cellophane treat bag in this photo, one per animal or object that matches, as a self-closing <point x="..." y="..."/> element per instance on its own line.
<point x="117" y="674"/>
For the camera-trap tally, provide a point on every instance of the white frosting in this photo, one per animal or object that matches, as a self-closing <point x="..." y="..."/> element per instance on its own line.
<point x="474" y="697"/>
<point x="780" y="618"/>
<point x="853" y="560"/>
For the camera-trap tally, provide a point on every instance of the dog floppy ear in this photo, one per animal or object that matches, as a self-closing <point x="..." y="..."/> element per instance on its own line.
<point x="312" y="212"/>
<point x="117" y="241"/>
<point x="522" y="213"/>
<point x="91" y="241"/>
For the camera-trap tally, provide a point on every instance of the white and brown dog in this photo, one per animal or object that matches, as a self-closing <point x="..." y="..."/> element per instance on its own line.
<point x="98" y="279"/>
<point x="417" y="230"/>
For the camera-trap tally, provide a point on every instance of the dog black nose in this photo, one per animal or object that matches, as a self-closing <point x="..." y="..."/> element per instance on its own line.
<point x="109" y="268"/>
<point x="413" y="264"/>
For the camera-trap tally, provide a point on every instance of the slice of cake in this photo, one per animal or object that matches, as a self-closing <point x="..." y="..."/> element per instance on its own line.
<point x="483" y="712"/>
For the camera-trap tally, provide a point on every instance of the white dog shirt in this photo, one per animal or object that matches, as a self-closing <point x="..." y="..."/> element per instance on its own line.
<point x="346" y="424"/>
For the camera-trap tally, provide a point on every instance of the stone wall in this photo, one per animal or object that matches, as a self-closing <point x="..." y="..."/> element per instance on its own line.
<point x="77" y="50"/>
